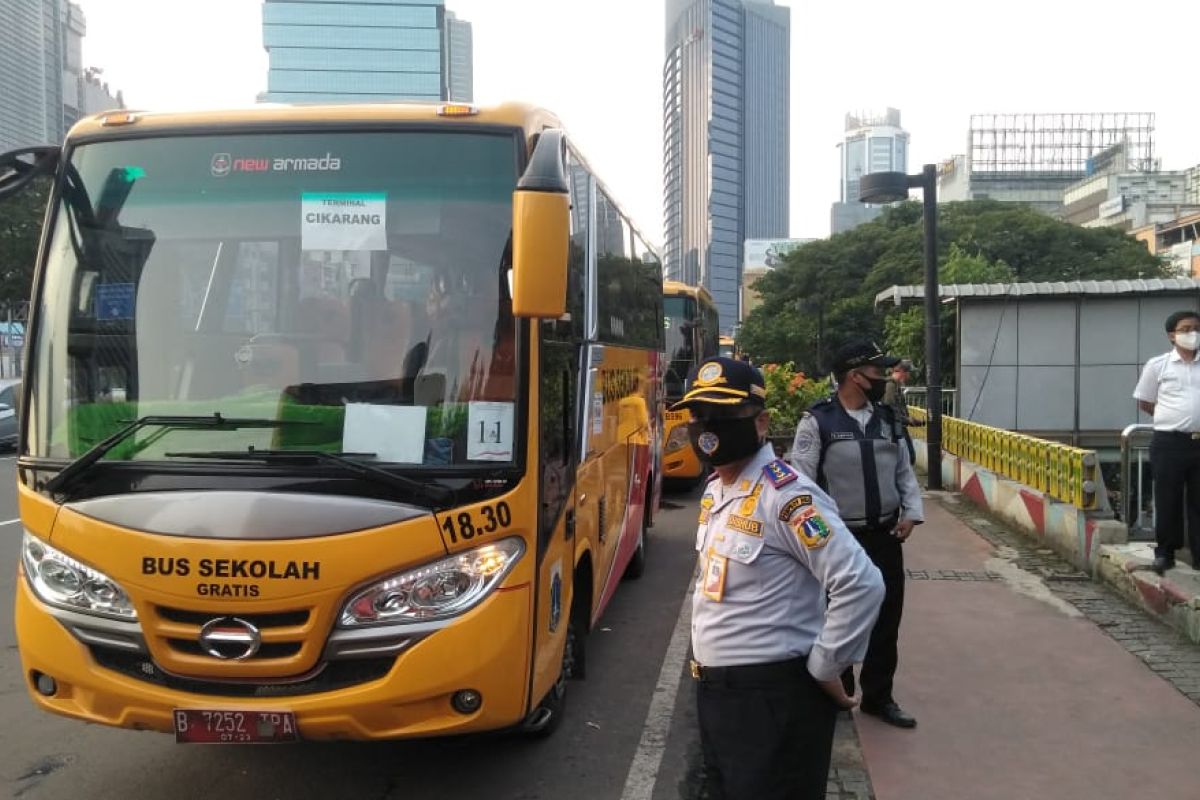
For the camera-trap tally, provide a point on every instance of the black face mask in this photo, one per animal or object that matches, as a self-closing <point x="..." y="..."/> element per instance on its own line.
<point x="723" y="441"/>
<point x="875" y="392"/>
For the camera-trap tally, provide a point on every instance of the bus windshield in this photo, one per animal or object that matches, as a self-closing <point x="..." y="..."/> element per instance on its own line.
<point x="680" y="328"/>
<point x="352" y="285"/>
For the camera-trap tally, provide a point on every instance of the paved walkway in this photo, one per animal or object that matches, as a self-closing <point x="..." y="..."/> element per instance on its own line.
<point x="1019" y="694"/>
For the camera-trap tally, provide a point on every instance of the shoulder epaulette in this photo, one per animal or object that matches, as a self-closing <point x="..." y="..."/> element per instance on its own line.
<point x="779" y="473"/>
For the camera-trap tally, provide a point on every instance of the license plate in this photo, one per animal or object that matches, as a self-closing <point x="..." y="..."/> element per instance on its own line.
<point x="195" y="726"/>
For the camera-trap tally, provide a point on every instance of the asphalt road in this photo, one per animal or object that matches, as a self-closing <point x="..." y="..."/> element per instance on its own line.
<point x="613" y="721"/>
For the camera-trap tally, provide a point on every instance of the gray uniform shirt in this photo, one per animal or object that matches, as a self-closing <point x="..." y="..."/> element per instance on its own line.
<point x="806" y="457"/>
<point x="780" y="575"/>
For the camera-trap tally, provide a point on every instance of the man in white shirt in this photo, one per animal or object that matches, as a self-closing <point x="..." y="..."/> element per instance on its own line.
<point x="1169" y="390"/>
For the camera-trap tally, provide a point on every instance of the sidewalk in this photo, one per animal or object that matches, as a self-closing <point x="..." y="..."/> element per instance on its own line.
<point x="1018" y="693"/>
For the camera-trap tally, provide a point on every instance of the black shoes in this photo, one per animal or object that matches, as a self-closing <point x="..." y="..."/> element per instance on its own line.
<point x="1162" y="564"/>
<point x="892" y="714"/>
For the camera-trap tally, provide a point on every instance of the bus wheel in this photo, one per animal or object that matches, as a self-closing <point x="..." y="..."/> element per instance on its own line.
<point x="545" y="719"/>
<point x="637" y="564"/>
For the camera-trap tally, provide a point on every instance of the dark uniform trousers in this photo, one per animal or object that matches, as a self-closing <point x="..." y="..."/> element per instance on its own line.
<point x="1175" y="459"/>
<point x="767" y="731"/>
<point x="879" y="666"/>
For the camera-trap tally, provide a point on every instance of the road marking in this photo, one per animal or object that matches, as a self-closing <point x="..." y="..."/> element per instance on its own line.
<point x="10" y="522"/>
<point x="643" y="772"/>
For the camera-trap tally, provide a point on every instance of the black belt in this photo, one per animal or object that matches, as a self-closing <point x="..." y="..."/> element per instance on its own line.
<point x="886" y="524"/>
<point x="748" y="673"/>
<point x="1183" y="435"/>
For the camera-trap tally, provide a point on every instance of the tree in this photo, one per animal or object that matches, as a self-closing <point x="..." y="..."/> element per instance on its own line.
<point x="20" y="230"/>
<point x="824" y="293"/>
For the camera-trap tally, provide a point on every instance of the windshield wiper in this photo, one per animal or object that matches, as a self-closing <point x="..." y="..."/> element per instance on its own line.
<point x="71" y="471"/>
<point x="433" y="491"/>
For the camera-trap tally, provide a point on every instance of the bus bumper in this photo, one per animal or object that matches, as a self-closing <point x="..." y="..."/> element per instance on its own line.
<point x="486" y="650"/>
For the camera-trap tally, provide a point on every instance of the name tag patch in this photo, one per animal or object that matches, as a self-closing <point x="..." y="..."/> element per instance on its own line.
<point x="745" y="525"/>
<point x="796" y="503"/>
<point x="841" y="435"/>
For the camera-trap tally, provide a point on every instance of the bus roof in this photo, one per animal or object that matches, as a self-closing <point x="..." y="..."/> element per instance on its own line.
<point x="132" y="124"/>
<point x="677" y="289"/>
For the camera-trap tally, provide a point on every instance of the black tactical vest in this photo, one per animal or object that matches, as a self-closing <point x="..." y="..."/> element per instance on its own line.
<point x="859" y="470"/>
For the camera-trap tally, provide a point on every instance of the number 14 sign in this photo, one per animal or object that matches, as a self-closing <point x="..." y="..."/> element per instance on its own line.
<point x="490" y="432"/>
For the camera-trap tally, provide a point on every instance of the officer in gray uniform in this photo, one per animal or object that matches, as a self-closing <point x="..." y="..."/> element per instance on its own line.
<point x="854" y="448"/>
<point x="784" y="601"/>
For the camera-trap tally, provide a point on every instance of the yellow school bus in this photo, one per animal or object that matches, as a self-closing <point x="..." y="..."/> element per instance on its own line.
<point x="339" y="422"/>
<point x="728" y="347"/>
<point x="690" y="322"/>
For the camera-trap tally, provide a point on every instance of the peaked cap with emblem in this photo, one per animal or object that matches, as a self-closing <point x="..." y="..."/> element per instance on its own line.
<point x="861" y="353"/>
<point x="724" y="382"/>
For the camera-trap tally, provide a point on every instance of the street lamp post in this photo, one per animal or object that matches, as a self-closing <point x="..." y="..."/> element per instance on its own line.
<point x="889" y="187"/>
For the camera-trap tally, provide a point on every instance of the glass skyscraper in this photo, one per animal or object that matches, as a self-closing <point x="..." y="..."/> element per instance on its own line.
<point x="873" y="143"/>
<point x="44" y="88"/>
<point x="359" y="51"/>
<point x="725" y="150"/>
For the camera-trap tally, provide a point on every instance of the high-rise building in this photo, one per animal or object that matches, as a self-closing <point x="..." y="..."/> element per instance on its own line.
<point x="368" y="51"/>
<point x="458" y="55"/>
<point x="873" y="143"/>
<point x="22" y="63"/>
<point x="1034" y="158"/>
<point x="726" y="117"/>
<point x="45" y="88"/>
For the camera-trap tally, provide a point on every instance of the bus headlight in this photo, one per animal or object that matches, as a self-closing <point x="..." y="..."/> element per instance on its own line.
<point x="59" y="580"/>
<point x="678" y="439"/>
<point x="444" y="588"/>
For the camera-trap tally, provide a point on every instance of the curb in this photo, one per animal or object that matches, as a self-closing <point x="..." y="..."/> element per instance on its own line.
<point x="1174" y="598"/>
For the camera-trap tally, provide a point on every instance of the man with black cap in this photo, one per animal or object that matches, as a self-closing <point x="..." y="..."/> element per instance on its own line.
<point x="853" y="447"/>
<point x="784" y="601"/>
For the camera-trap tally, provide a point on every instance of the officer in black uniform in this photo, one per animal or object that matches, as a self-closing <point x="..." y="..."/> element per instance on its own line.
<point x="783" y="604"/>
<point x="854" y="448"/>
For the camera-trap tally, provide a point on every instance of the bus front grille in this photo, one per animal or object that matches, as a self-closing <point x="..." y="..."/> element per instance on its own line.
<point x="328" y="677"/>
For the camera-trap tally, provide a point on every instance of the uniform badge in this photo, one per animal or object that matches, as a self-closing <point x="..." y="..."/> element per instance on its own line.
<point x="707" y="502"/>
<point x="703" y="516"/>
<point x="748" y="505"/>
<point x="812" y="530"/>
<point x="779" y="473"/>
<point x="714" y="577"/>
<point x="797" y="502"/>
<point x="709" y="374"/>
<point x="708" y="443"/>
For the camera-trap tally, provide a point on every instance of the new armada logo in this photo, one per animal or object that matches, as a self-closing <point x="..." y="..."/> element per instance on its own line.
<point x="221" y="164"/>
<point x="230" y="639"/>
<point x="224" y="163"/>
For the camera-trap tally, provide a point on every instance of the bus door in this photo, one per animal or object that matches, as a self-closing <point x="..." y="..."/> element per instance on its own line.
<point x="558" y="519"/>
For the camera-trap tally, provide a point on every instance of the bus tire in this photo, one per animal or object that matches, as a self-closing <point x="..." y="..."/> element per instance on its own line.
<point x="637" y="563"/>
<point x="546" y="718"/>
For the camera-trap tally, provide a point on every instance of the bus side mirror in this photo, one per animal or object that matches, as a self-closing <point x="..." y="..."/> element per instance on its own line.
<point x="19" y="167"/>
<point x="541" y="229"/>
<point x="541" y="232"/>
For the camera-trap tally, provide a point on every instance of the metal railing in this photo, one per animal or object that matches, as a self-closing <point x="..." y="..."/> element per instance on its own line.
<point x="1068" y="474"/>
<point x="1137" y="498"/>
<point x="918" y="396"/>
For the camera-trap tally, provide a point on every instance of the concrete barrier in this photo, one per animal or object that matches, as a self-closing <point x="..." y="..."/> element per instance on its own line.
<point x="1064" y="528"/>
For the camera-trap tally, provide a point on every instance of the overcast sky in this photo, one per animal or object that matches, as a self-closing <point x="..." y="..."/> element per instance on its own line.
<point x="598" y="65"/>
